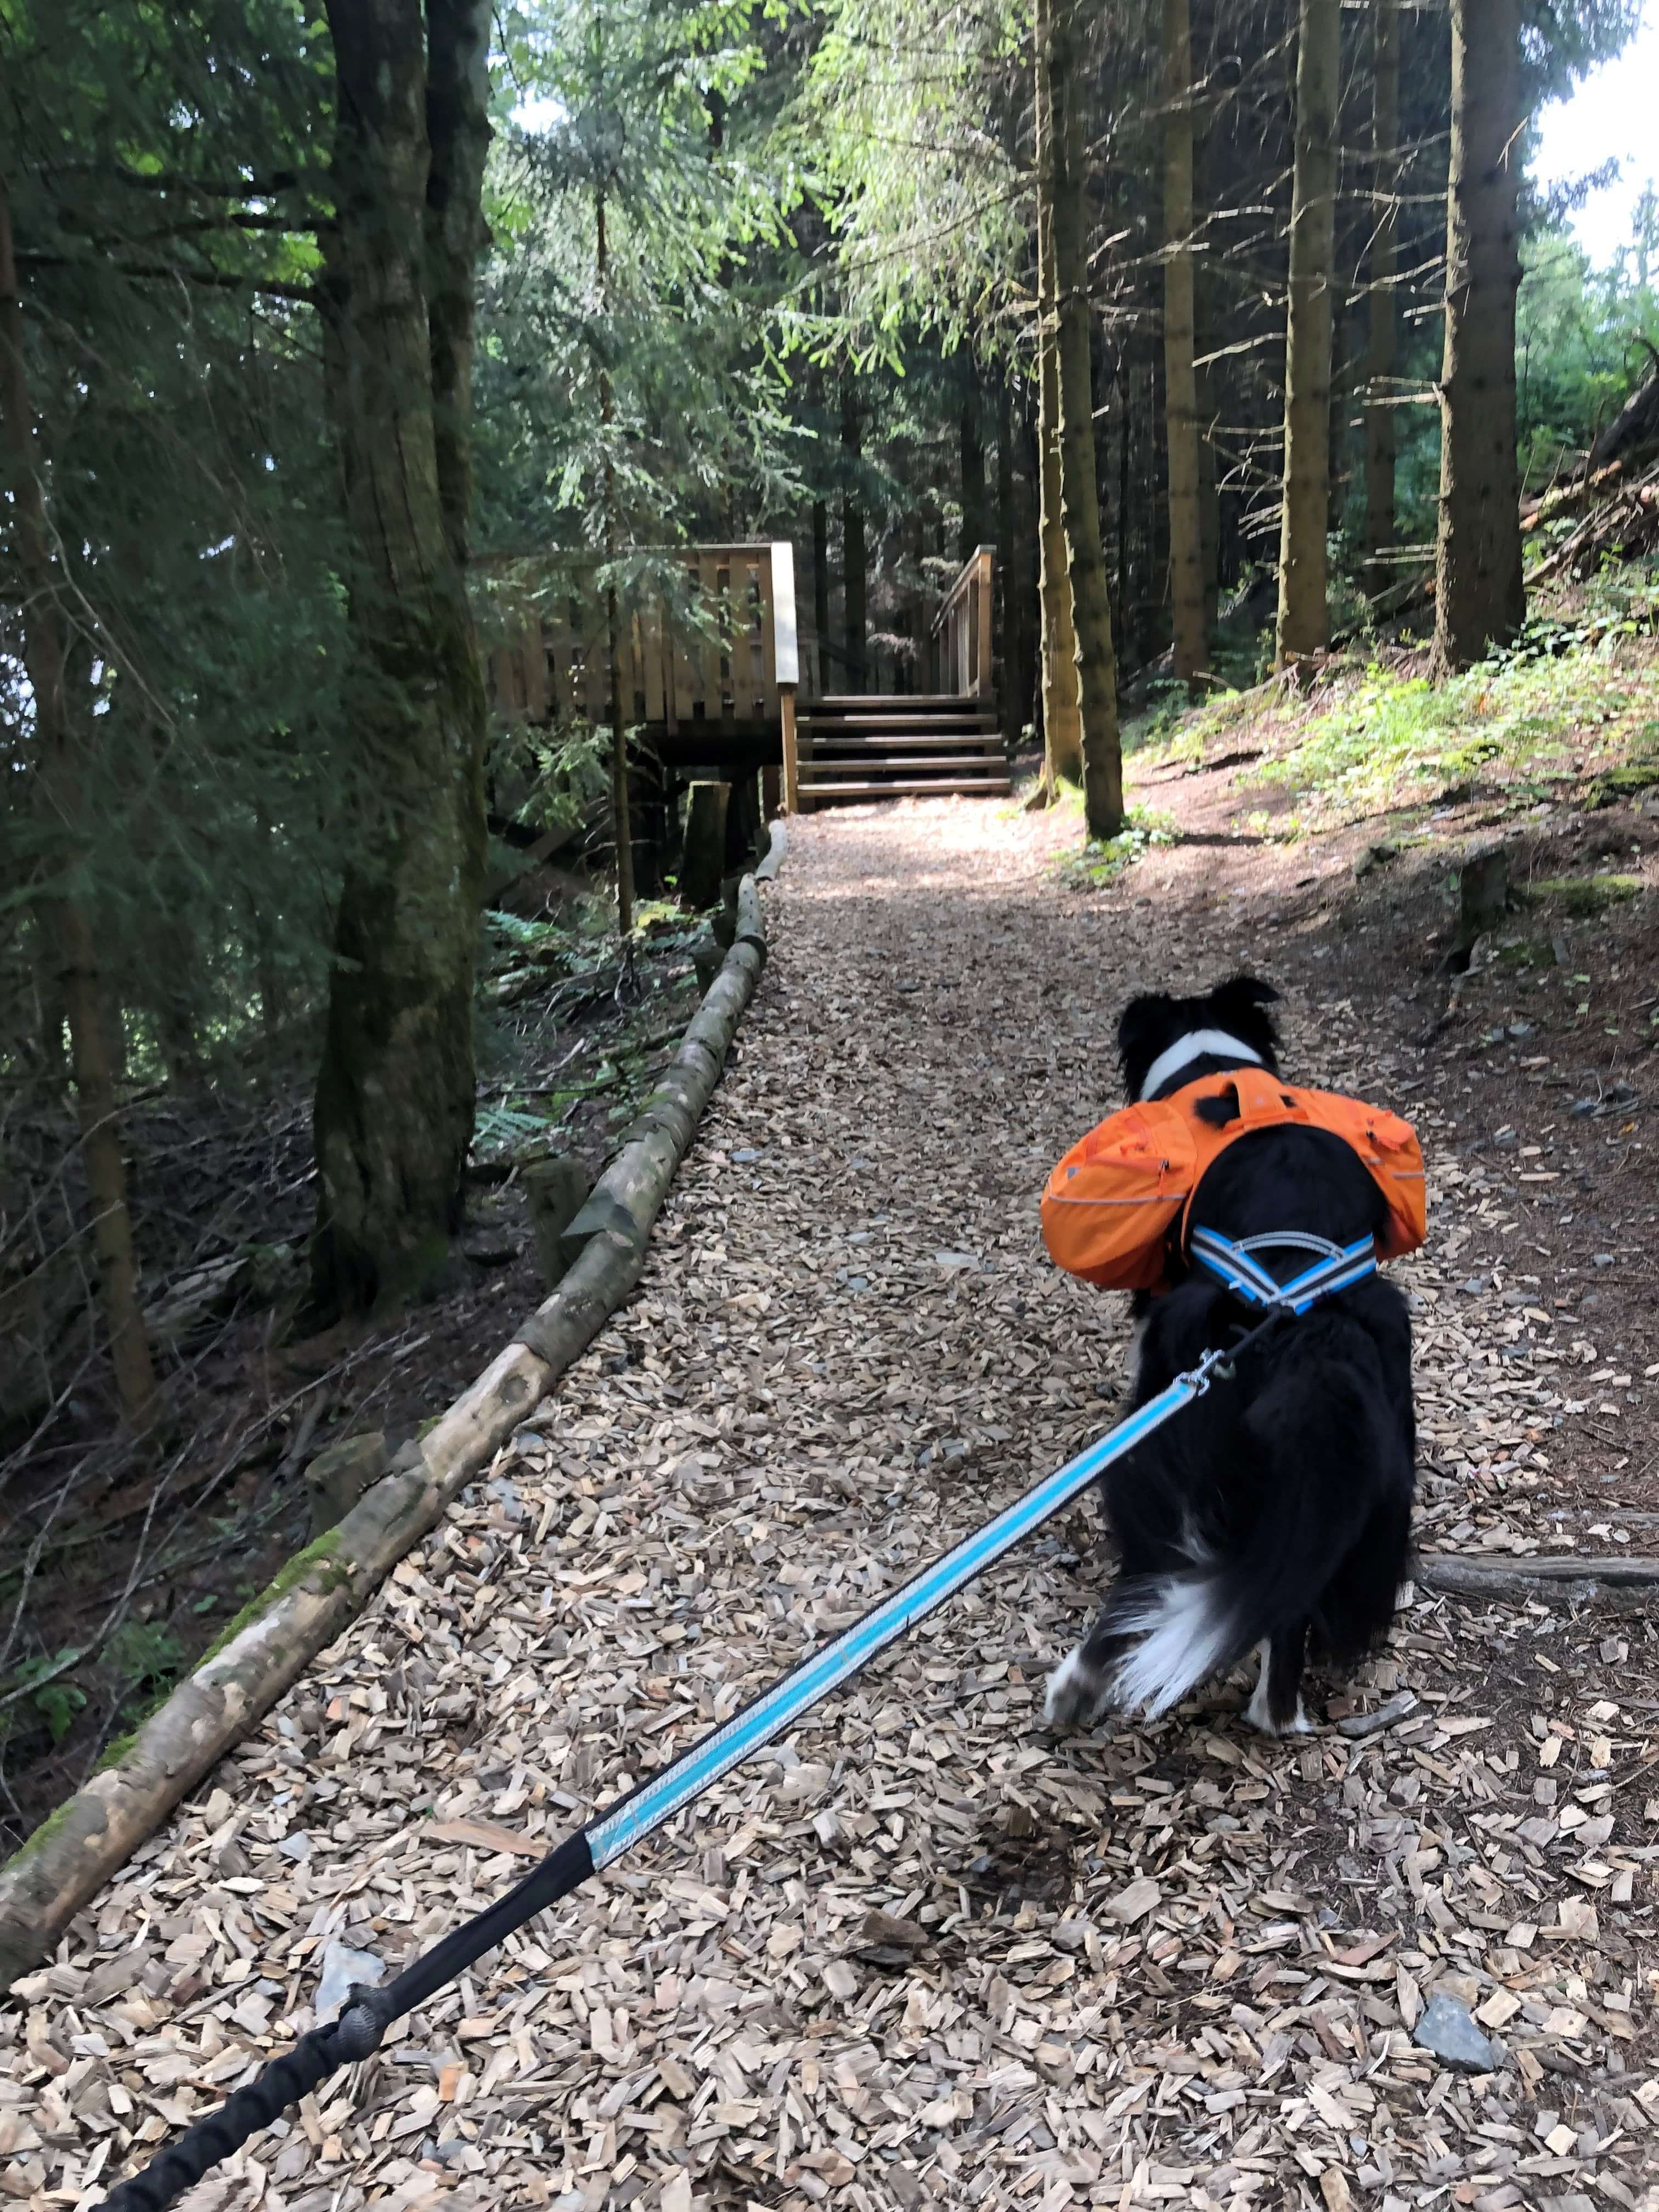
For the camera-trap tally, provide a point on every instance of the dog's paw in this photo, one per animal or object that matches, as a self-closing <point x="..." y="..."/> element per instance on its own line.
<point x="1257" y="1714"/>
<point x="1076" y="1696"/>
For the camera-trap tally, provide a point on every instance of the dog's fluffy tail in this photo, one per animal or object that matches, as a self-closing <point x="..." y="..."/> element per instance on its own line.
<point x="1321" y="1460"/>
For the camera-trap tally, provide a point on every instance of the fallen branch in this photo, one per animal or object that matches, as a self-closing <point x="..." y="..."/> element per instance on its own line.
<point x="1458" y="1572"/>
<point x="269" y="1645"/>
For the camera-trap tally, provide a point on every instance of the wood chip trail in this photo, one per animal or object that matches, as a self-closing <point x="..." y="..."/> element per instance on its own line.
<point x="922" y="1954"/>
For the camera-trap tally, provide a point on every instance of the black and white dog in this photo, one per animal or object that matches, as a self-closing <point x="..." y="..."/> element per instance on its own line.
<point x="1276" y="1509"/>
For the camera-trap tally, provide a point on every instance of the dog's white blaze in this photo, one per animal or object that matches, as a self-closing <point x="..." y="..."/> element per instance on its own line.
<point x="1185" y="1635"/>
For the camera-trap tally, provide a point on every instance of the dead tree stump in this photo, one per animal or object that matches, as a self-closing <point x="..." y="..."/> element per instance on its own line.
<point x="703" y="866"/>
<point x="1483" y="894"/>
<point x="744" y="821"/>
<point x="556" y="1191"/>
<point x="337" y="1477"/>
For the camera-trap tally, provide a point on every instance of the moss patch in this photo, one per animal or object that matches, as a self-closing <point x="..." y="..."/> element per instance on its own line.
<point x="1585" y="893"/>
<point x="320" y="1549"/>
<point x="1617" y="783"/>
<point x="43" y="1835"/>
<point x="116" y="1749"/>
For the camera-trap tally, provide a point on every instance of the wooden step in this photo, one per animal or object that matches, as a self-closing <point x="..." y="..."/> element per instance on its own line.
<point x="895" y="713"/>
<point x="972" y="787"/>
<point x="897" y="763"/>
<point x="821" y="741"/>
<point x="867" y="702"/>
<point x="910" y="725"/>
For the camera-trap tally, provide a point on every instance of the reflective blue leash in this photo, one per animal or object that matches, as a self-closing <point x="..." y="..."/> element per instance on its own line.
<point x="369" y="2013"/>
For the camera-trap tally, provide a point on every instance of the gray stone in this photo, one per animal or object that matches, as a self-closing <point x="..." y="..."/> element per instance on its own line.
<point x="296" y="1846"/>
<point x="1601" y="1259"/>
<point x="341" y="1968"/>
<point x="490" y="1244"/>
<point x="1448" y="2030"/>
<point x="1374" y="856"/>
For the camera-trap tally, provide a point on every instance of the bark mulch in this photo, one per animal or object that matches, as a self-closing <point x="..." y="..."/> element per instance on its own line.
<point x="922" y="1953"/>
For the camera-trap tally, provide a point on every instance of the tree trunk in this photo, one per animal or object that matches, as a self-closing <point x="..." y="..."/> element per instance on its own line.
<point x="1209" y="511"/>
<point x="1009" y="569"/>
<point x="1062" y="169"/>
<point x="1380" y="339"/>
<point x="821" y="589"/>
<point x="1124" y="382"/>
<point x="854" y="576"/>
<point x="1337" y="411"/>
<point x="395" y="1093"/>
<point x="973" y="469"/>
<point x="1062" y="731"/>
<point x="1180" y="377"/>
<point x="64" y="774"/>
<point x="622" y="823"/>
<point x="1479" y="597"/>
<point x="1303" y="622"/>
<point x="457" y="136"/>
<point x="273" y="997"/>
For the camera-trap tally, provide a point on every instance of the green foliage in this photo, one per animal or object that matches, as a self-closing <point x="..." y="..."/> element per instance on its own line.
<point x="1397" y="740"/>
<point x="162" y="167"/>
<point x="1579" y="333"/>
<point x="54" y="1703"/>
<point x="908" y="116"/>
<point x="1102" y="860"/>
<point x="649" y="117"/>
<point x="143" y="1655"/>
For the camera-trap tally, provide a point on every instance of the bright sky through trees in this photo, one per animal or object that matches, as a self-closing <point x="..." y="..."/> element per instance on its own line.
<point x="1610" y="116"/>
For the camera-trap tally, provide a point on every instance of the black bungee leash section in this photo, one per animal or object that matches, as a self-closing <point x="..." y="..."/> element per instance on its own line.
<point x="369" y="2013"/>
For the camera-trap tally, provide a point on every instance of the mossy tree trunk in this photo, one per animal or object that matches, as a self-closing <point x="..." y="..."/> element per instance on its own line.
<point x="1060" y="167"/>
<point x="1382" y="342"/>
<point x="1479" y="597"/>
<point x="1180" y="376"/>
<point x="856" y="582"/>
<point x="1011" y="566"/>
<point x="972" y="534"/>
<point x="395" y="1093"/>
<point x="65" y="771"/>
<point x="622" y="823"/>
<point x="820" y="590"/>
<point x="1304" y="620"/>
<point x="1062" y="731"/>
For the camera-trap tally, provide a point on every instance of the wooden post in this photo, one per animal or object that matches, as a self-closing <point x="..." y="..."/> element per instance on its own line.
<point x="791" y="765"/>
<point x="982" y="685"/>
<point x="786" y="663"/>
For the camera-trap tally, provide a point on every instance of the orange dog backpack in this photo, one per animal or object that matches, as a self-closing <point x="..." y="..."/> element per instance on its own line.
<point x="1112" y="1203"/>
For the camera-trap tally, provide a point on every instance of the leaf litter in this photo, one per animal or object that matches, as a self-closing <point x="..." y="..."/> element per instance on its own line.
<point x="920" y="1954"/>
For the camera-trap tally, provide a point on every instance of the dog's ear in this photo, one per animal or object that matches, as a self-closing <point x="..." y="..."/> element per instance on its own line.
<point x="1240" y="1005"/>
<point x="1143" y="1028"/>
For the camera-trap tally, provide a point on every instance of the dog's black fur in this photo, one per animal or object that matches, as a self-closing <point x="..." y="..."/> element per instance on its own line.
<point x="1275" y="1510"/>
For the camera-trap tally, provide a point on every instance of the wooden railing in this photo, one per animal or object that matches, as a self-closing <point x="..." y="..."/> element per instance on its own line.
<point x="963" y="627"/>
<point x="722" y="657"/>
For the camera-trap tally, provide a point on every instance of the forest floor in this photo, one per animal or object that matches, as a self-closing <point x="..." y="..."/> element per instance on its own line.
<point x="136" y="1560"/>
<point x="923" y="1952"/>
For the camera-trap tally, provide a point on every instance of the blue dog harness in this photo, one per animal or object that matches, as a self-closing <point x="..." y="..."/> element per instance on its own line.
<point x="1338" y="1267"/>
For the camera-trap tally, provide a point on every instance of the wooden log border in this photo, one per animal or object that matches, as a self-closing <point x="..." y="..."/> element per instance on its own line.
<point x="268" y="1646"/>
<point x="1461" y="1574"/>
